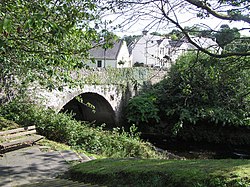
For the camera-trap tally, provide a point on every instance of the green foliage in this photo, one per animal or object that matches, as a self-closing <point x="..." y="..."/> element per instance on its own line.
<point x="7" y="124"/>
<point x="202" y="89"/>
<point x="156" y="33"/>
<point x="239" y="45"/>
<point x="131" y="39"/>
<point x="44" y="41"/>
<point x="63" y="128"/>
<point x="176" y="34"/>
<point x="226" y="35"/>
<point x="52" y="145"/>
<point x="138" y="64"/>
<point x="199" y="91"/>
<point x="142" y="108"/>
<point x="149" y="172"/>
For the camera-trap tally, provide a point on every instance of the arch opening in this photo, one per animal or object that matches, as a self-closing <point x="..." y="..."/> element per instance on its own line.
<point x="101" y="113"/>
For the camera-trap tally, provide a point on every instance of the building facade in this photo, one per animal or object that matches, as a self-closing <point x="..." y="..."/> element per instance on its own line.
<point x="157" y="51"/>
<point x="115" y="57"/>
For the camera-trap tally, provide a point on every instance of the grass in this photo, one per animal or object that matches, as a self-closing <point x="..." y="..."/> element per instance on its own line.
<point x="149" y="172"/>
<point x="56" y="146"/>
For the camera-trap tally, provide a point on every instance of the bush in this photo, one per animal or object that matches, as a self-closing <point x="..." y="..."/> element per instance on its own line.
<point x="202" y="89"/>
<point x="7" y="124"/>
<point x="142" y="110"/>
<point x="63" y="128"/>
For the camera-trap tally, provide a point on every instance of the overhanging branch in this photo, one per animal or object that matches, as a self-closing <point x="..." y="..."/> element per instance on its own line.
<point x="224" y="55"/>
<point x="204" y="6"/>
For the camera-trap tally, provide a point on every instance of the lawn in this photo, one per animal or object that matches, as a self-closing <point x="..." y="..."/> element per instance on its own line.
<point x="149" y="172"/>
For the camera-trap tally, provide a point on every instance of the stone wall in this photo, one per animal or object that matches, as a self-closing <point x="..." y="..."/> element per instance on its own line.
<point x="116" y="86"/>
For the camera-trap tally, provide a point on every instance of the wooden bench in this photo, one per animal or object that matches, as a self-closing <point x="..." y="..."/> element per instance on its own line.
<point x="16" y="138"/>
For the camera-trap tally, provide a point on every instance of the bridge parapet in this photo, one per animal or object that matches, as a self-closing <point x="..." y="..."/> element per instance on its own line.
<point x="121" y="76"/>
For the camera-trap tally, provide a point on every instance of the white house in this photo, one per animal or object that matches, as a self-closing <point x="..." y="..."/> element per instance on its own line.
<point x="177" y="48"/>
<point x="145" y="49"/>
<point x="157" y="51"/>
<point x="116" y="57"/>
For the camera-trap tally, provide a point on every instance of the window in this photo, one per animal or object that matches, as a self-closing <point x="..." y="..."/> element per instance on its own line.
<point x="99" y="63"/>
<point x="162" y="51"/>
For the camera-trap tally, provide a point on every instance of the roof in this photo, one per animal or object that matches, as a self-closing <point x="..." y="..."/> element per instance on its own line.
<point x="159" y="41"/>
<point x="110" y="53"/>
<point x="207" y="43"/>
<point x="176" y="43"/>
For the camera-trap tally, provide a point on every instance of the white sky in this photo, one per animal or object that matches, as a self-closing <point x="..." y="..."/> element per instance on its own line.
<point x="140" y="26"/>
<point x="185" y="16"/>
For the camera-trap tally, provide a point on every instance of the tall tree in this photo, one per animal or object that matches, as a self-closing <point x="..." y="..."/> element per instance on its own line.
<point x="39" y="37"/>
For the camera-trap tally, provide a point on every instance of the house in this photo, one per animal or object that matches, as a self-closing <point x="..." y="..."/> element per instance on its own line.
<point x="115" y="57"/>
<point x="157" y="51"/>
<point x="145" y="50"/>
<point x="179" y="47"/>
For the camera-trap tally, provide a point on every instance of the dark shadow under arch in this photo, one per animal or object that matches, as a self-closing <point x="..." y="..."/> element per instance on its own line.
<point x="103" y="110"/>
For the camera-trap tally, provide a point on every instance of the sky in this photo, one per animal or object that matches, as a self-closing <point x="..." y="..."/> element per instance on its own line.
<point x="138" y="27"/>
<point x="185" y="16"/>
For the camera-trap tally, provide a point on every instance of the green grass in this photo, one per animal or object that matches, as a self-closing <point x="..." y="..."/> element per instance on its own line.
<point x="56" y="146"/>
<point x="53" y="145"/>
<point x="149" y="172"/>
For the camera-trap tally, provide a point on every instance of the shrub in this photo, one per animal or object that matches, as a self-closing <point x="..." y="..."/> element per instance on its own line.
<point x="202" y="89"/>
<point x="199" y="91"/>
<point x="62" y="127"/>
<point x="7" y="124"/>
<point x="142" y="109"/>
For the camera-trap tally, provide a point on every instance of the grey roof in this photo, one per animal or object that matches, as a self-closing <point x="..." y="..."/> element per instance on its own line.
<point x="176" y="43"/>
<point x="159" y="41"/>
<point x="110" y="53"/>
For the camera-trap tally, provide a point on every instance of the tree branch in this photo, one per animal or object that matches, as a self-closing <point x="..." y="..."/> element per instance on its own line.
<point x="216" y="14"/>
<point x="224" y="55"/>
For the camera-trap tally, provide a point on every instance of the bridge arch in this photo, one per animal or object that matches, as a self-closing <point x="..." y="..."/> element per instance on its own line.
<point x="111" y="95"/>
<point x="93" y="107"/>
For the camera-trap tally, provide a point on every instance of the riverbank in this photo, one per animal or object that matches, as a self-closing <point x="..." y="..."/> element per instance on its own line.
<point x="192" y="149"/>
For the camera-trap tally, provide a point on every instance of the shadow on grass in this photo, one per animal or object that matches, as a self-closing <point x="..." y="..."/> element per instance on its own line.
<point x="147" y="172"/>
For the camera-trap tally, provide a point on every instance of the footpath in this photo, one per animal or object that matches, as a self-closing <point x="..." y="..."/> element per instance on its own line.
<point x="32" y="167"/>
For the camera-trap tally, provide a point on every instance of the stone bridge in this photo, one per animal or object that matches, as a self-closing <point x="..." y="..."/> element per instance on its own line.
<point x="102" y="94"/>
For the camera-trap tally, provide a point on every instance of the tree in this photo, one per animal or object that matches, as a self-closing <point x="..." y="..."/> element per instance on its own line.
<point x="44" y="38"/>
<point x="241" y="45"/>
<point x="161" y="14"/>
<point x="156" y="33"/>
<point x="176" y="34"/>
<point x="198" y="91"/>
<point x="226" y="35"/>
<point x="206" y="90"/>
<point x="130" y="39"/>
